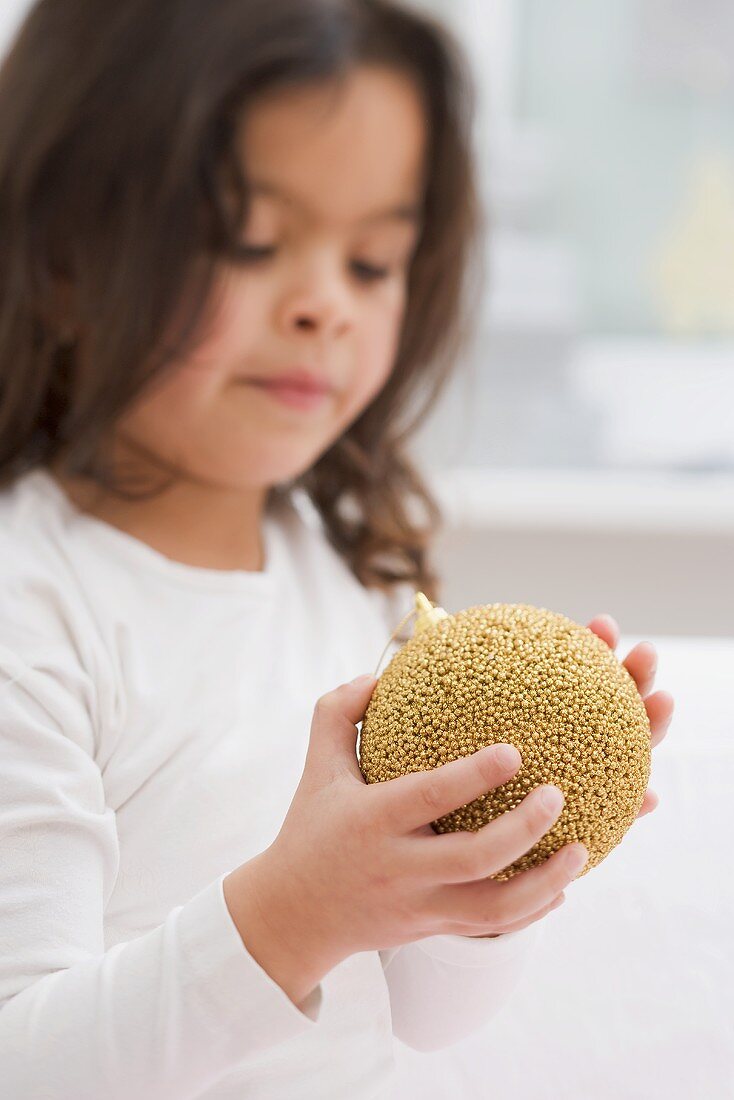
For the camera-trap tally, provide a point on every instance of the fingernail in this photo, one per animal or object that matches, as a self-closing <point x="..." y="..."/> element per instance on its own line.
<point x="551" y="798"/>
<point x="576" y="857"/>
<point x="508" y="756"/>
<point x="358" y="681"/>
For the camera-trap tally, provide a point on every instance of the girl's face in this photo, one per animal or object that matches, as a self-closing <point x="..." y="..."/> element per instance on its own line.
<point x="327" y="294"/>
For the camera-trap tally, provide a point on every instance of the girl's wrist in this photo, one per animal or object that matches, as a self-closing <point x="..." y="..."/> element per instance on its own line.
<point x="255" y="914"/>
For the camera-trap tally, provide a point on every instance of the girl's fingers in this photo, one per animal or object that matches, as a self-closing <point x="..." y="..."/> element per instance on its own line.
<point x="659" y="707"/>
<point x="412" y="801"/>
<point x="466" y="856"/>
<point x="517" y="926"/>
<point x="605" y="626"/>
<point x="649" y="803"/>
<point x="641" y="663"/>
<point x="498" y="905"/>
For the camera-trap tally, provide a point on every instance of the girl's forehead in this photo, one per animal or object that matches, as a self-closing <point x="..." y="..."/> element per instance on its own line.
<point x="362" y="146"/>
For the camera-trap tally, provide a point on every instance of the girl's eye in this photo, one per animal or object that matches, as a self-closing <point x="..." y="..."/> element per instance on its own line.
<point x="368" y="273"/>
<point x="253" y="252"/>
<point x="365" y="272"/>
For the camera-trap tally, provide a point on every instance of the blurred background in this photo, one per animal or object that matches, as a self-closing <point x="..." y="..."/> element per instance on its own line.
<point x="584" y="452"/>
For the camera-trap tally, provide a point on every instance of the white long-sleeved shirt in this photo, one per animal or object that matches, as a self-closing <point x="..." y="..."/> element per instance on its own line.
<point x="154" y="721"/>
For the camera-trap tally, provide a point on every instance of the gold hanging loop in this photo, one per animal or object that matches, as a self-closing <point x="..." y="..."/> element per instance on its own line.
<point x="427" y="613"/>
<point x="397" y="628"/>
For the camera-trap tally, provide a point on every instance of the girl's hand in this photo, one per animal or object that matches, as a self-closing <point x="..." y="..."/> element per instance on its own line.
<point x="356" y="866"/>
<point x="641" y="663"/>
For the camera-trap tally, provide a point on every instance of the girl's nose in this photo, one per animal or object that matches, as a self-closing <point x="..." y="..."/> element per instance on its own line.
<point x="318" y="321"/>
<point x="321" y="303"/>
<point x="317" y="316"/>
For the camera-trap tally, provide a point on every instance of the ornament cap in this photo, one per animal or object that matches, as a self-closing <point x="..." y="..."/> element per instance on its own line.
<point x="428" y="614"/>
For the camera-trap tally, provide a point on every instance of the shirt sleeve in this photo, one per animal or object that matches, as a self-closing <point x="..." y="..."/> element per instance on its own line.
<point x="443" y="988"/>
<point x="163" y="1014"/>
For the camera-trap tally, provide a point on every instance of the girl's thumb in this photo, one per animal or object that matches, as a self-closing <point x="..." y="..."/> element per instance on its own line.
<point x="334" y="723"/>
<point x="361" y="681"/>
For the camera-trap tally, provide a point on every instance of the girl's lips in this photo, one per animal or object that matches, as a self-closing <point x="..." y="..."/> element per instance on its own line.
<point x="299" y="397"/>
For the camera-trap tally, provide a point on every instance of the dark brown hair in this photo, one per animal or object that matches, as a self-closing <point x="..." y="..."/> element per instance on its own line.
<point x="116" y="124"/>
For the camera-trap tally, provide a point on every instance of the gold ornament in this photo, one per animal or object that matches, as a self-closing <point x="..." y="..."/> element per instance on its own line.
<point x="529" y="677"/>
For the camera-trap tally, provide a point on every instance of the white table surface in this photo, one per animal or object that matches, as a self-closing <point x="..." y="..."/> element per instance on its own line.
<point x="631" y="992"/>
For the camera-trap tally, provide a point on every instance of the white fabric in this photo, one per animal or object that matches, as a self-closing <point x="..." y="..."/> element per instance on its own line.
<point x="632" y="996"/>
<point x="154" y="721"/>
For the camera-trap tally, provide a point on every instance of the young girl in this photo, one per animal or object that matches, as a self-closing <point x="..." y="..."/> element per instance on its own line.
<point x="236" y="235"/>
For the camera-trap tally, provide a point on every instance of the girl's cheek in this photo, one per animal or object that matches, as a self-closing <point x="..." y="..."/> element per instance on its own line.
<point x="377" y="365"/>
<point x="228" y="327"/>
<point x="197" y="372"/>
<point x="386" y="332"/>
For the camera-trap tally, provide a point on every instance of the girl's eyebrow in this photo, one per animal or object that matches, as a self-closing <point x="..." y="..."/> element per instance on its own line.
<point x="409" y="211"/>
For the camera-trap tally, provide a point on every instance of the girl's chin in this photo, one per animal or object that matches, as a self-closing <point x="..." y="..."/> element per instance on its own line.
<point x="261" y="475"/>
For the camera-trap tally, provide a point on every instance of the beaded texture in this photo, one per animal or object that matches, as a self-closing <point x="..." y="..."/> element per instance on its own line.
<point x="532" y="678"/>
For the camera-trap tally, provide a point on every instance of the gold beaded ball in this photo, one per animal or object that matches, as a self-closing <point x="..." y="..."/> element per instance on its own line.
<point x="532" y="678"/>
